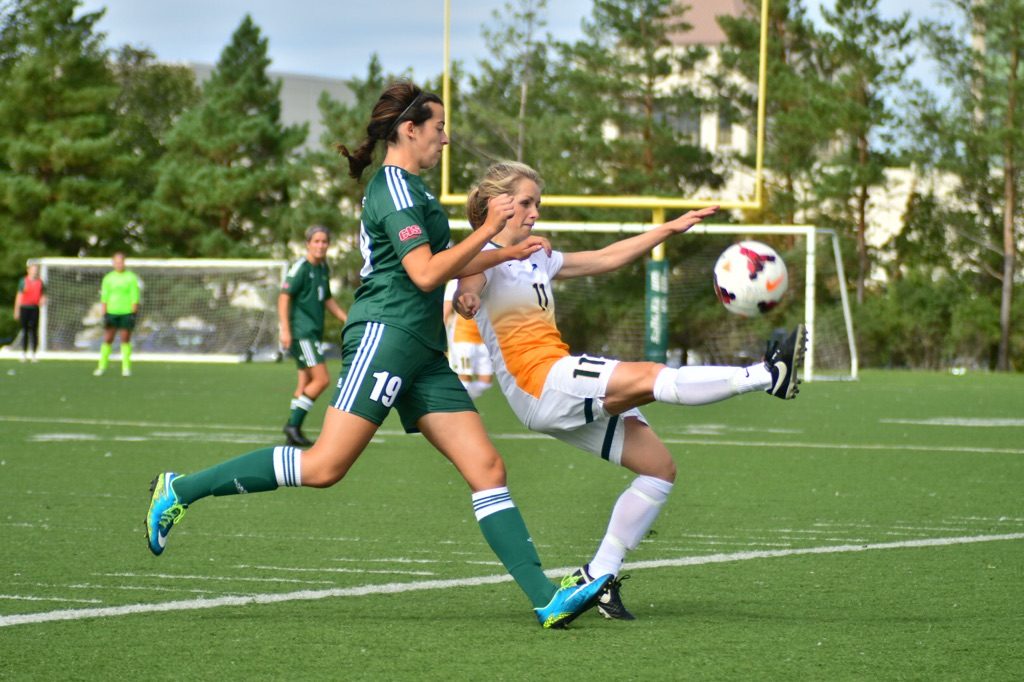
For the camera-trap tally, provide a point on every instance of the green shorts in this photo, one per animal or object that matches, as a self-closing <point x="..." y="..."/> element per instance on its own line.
<point x="387" y="367"/>
<point x="119" y="321"/>
<point x="307" y="352"/>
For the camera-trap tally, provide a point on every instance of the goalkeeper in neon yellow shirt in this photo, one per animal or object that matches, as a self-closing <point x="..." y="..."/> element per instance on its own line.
<point x="119" y="295"/>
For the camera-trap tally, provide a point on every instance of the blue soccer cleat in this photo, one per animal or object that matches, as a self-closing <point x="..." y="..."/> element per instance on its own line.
<point x="571" y="600"/>
<point x="164" y="512"/>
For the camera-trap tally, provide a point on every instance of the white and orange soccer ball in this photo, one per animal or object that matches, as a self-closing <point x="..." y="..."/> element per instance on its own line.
<point x="750" y="278"/>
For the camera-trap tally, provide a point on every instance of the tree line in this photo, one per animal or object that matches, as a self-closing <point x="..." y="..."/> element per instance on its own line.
<point x="104" y="148"/>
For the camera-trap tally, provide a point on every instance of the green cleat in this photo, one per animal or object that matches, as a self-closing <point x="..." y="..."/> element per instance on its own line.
<point x="164" y="512"/>
<point x="570" y="601"/>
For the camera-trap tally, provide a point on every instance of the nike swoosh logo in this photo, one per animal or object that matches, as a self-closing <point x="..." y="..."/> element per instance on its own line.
<point x="161" y="539"/>
<point x="772" y="285"/>
<point x="783" y="371"/>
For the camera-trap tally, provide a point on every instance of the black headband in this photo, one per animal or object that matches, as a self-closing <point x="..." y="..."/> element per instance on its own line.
<point x="414" y="102"/>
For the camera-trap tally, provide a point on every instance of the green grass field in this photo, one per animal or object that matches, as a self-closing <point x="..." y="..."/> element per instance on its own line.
<point x="867" y="530"/>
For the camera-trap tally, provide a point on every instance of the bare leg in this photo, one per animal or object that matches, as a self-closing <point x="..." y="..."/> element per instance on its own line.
<point x="460" y="436"/>
<point x="343" y="438"/>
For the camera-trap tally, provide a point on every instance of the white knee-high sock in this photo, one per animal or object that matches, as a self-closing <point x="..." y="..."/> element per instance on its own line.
<point x="703" y="385"/>
<point x="633" y="515"/>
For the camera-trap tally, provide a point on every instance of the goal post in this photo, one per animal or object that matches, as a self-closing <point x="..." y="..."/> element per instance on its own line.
<point x="817" y="287"/>
<point x="191" y="310"/>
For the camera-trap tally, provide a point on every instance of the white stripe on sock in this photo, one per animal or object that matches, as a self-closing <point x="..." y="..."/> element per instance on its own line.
<point x="487" y="502"/>
<point x="288" y="466"/>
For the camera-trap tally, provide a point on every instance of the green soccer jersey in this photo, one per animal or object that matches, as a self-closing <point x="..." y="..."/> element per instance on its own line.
<point x="309" y="287"/>
<point x="399" y="214"/>
<point x="120" y="291"/>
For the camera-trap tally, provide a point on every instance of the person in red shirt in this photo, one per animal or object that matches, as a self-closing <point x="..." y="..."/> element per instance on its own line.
<point x="26" y="309"/>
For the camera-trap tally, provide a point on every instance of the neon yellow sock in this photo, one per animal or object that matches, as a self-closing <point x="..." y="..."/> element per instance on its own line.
<point x="126" y="357"/>
<point x="104" y="356"/>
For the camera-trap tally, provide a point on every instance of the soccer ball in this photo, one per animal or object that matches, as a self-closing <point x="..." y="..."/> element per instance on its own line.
<point x="750" y="278"/>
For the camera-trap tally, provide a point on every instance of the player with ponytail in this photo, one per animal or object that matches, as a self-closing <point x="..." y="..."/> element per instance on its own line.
<point x="393" y="353"/>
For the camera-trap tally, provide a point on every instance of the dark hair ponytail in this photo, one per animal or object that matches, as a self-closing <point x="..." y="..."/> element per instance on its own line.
<point x="400" y="101"/>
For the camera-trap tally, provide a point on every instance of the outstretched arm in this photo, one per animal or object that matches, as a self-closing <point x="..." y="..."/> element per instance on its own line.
<point x="518" y="251"/>
<point x="613" y="256"/>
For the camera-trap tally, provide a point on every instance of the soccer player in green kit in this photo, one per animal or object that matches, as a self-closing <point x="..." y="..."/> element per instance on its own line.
<point x="305" y="295"/>
<point x="393" y="354"/>
<point x="119" y="294"/>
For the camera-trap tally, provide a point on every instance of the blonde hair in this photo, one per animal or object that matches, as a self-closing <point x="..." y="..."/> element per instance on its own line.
<point x="500" y="178"/>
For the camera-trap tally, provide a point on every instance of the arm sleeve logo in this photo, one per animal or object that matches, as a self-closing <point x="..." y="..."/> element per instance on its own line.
<point x="409" y="233"/>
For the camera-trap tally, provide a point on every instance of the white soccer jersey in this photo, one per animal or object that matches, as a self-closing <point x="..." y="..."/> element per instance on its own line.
<point x="517" y="322"/>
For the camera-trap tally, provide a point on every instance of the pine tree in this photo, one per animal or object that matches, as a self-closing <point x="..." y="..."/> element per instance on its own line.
<point x="798" y="104"/>
<point x="978" y="138"/>
<point x="62" y="165"/>
<point x="226" y="182"/>
<point x="512" y="113"/>
<point x="626" y="84"/>
<point x="151" y="96"/>
<point x="870" y="55"/>
<point x="328" y="195"/>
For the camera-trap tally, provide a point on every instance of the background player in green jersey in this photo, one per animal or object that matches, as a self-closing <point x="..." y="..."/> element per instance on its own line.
<point x="119" y="294"/>
<point x="305" y="294"/>
<point x="393" y="355"/>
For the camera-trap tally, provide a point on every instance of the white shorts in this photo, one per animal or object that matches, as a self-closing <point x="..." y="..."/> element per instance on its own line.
<point x="470" y="359"/>
<point x="571" y="407"/>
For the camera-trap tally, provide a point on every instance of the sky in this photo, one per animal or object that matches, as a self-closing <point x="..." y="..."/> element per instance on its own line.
<point x="319" y="37"/>
<point x="335" y="39"/>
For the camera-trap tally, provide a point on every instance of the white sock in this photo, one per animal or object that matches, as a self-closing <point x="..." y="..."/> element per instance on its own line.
<point x="303" y="402"/>
<point x="477" y="388"/>
<point x="288" y="466"/>
<point x="708" y="384"/>
<point x="633" y="515"/>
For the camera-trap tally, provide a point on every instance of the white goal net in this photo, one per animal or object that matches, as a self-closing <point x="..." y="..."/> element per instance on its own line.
<point x="194" y="310"/>
<point x="700" y="330"/>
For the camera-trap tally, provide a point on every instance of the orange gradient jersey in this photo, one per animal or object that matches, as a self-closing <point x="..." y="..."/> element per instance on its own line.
<point x="465" y="331"/>
<point x="460" y="329"/>
<point x="517" y="322"/>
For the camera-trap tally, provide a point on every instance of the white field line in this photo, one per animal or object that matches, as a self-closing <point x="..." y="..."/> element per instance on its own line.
<point x="171" y="576"/>
<point x="398" y="588"/>
<point x="60" y="599"/>
<point x="336" y="570"/>
<point x="117" y="422"/>
<point x="540" y="436"/>
<point x="959" y="421"/>
<point x="842" y="446"/>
